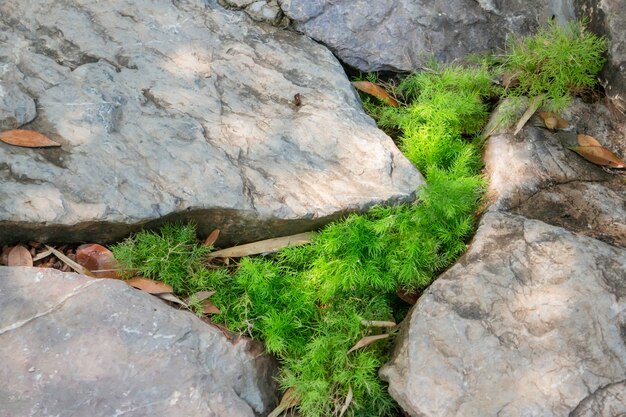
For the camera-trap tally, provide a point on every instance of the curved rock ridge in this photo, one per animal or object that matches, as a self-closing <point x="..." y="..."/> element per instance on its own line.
<point x="74" y="345"/>
<point x="531" y="321"/>
<point x="167" y="110"/>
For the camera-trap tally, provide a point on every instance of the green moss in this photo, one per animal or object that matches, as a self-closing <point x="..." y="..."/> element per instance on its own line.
<point x="558" y="61"/>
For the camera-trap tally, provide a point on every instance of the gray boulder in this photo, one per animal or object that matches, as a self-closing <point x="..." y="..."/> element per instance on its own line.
<point x="530" y="321"/>
<point x="73" y="345"/>
<point x="16" y="108"/>
<point x="183" y="110"/>
<point x="608" y="18"/>
<point x="402" y="35"/>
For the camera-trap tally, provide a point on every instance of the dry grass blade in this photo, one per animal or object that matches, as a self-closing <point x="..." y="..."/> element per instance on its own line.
<point x="599" y="156"/>
<point x="210" y="240"/>
<point x="368" y="340"/>
<point x="263" y="246"/>
<point x="74" y="265"/>
<point x="288" y="401"/>
<point x="534" y="104"/>
<point x="27" y="139"/>
<point x="376" y="91"/>
<point x="19" y="256"/>
<point x="378" y="323"/>
<point x="586" y="140"/>
<point x="42" y="255"/>
<point x="347" y="403"/>
<point x="149" y="285"/>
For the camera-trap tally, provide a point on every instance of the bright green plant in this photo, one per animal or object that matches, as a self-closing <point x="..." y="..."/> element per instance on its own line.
<point x="308" y="303"/>
<point x="558" y="62"/>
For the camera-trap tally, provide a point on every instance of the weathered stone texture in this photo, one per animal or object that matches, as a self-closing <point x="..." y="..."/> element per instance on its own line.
<point x="402" y="35"/>
<point x="182" y="110"/>
<point x="529" y="322"/>
<point x="608" y="18"/>
<point x="72" y="345"/>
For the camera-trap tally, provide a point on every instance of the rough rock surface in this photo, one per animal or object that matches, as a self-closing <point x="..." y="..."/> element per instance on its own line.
<point x="72" y="345"/>
<point x="608" y="18"/>
<point x="16" y="108"/>
<point x="365" y="34"/>
<point x="182" y="109"/>
<point x="531" y="321"/>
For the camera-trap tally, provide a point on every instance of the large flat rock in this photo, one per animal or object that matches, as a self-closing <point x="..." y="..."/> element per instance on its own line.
<point x="73" y="345"/>
<point x="530" y="322"/>
<point x="170" y="110"/>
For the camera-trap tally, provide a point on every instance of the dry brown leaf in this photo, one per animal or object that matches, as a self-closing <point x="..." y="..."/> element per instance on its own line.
<point x="149" y="285"/>
<point x="552" y="121"/>
<point x="209" y="308"/>
<point x="72" y="264"/>
<point x="200" y="296"/>
<point x="409" y="298"/>
<point x="599" y="156"/>
<point x="263" y="246"/>
<point x="376" y="91"/>
<point x="288" y="401"/>
<point x="210" y="240"/>
<point x="510" y="79"/>
<point x="347" y="403"/>
<point x="19" y="256"/>
<point x="534" y="104"/>
<point x="98" y="259"/>
<point x="368" y="340"/>
<point x="586" y="140"/>
<point x="27" y="138"/>
<point x="172" y="298"/>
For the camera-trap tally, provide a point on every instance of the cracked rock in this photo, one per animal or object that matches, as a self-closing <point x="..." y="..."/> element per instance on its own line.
<point x="183" y="110"/>
<point x="546" y="328"/>
<point x="73" y="345"/>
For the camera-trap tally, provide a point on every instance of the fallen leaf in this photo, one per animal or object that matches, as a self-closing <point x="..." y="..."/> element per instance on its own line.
<point x="552" y="121"/>
<point x="586" y="140"/>
<point x="171" y="297"/>
<point x="346" y="403"/>
<point x="599" y="156"/>
<point x="409" y="298"/>
<point x="288" y="401"/>
<point x="72" y="264"/>
<point x="368" y="340"/>
<point x="510" y="79"/>
<point x="199" y="296"/>
<point x="209" y="308"/>
<point x="19" y="256"/>
<point x="27" y="139"/>
<point x="263" y="246"/>
<point x="149" y="285"/>
<point x="534" y="104"/>
<point x="376" y="91"/>
<point x="98" y="259"/>
<point x="210" y="240"/>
